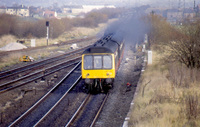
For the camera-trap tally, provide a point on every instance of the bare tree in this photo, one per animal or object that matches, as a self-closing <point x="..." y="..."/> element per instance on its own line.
<point x="180" y="44"/>
<point x="186" y="48"/>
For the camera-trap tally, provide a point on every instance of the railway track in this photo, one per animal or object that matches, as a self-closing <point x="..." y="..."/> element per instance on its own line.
<point x="37" y="75"/>
<point x="43" y="47"/>
<point x="76" y="119"/>
<point x="40" y="109"/>
<point x="42" y="113"/>
<point x="43" y="108"/>
<point x="37" y="64"/>
<point x="10" y="79"/>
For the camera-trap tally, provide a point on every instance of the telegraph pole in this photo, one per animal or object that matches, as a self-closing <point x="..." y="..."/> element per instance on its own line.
<point x="47" y="25"/>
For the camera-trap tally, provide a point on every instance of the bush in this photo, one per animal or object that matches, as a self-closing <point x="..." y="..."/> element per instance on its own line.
<point x="97" y="17"/>
<point x="39" y="29"/>
<point x="21" y="27"/>
<point x="6" y="23"/>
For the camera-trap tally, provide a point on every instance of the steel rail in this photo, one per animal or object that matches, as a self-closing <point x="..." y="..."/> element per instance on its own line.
<point x="39" y="101"/>
<point x="31" y="64"/>
<point x="48" y="68"/>
<point x="100" y="109"/>
<point x="77" y="111"/>
<point x="36" y="65"/>
<point x="18" y="85"/>
<point x="58" y="101"/>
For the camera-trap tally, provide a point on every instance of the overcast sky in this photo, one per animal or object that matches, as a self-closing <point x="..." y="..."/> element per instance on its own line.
<point x="115" y="2"/>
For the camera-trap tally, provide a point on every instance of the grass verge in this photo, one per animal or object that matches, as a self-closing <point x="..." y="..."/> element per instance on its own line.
<point x="168" y="96"/>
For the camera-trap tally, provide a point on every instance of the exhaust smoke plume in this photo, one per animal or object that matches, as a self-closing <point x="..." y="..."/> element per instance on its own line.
<point x="130" y="27"/>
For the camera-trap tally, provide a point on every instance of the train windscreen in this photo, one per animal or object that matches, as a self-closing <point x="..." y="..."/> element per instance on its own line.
<point x="97" y="62"/>
<point x="88" y="64"/>
<point x="107" y="62"/>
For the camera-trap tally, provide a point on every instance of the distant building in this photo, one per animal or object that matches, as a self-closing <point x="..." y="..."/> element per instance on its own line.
<point x="49" y="14"/>
<point x="20" y="11"/>
<point x="36" y="11"/>
<point x="69" y="8"/>
<point x="77" y="9"/>
<point x="88" y="8"/>
<point x="189" y="13"/>
<point x="175" y="16"/>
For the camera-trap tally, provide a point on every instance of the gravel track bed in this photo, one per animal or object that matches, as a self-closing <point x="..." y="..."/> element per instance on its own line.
<point x="17" y="101"/>
<point x="89" y="111"/>
<point x="36" y="67"/>
<point x="52" y="98"/>
<point x="120" y="97"/>
<point x="64" y="111"/>
<point x="20" y="99"/>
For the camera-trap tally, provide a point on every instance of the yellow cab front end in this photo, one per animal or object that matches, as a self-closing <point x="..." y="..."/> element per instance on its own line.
<point x="98" y="66"/>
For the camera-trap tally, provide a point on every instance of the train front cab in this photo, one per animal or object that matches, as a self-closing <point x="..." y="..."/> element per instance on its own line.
<point x="98" y="68"/>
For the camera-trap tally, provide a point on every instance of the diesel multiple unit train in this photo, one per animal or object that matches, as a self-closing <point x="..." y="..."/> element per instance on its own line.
<point x="101" y="61"/>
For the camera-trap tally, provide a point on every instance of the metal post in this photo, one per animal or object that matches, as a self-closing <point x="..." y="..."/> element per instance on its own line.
<point x="47" y="25"/>
<point x="47" y="34"/>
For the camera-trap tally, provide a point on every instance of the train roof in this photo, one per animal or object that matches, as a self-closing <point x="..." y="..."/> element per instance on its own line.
<point x="104" y="45"/>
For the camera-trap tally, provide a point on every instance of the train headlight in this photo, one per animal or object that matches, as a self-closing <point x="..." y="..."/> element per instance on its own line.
<point x="109" y="74"/>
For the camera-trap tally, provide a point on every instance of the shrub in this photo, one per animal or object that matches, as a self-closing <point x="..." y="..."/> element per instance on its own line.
<point x="6" y="23"/>
<point x="21" y="27"/>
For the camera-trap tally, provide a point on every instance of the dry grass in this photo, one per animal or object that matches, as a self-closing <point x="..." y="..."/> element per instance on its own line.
<point x="10" y="60"/>
<point x="14" y="58"/>
<point x="162" y="104"/>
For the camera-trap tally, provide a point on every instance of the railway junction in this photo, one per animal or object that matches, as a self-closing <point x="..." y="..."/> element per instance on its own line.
<point x="53" y="94"/>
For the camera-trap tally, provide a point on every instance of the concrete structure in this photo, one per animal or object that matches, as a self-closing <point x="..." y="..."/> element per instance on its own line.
<point x="88" y="8"/>
<point x="20" y="11"/>
<point x="49" y="14"/>
<point x="149" y="57"/>
<point x="32" y="42"/>
<point x="175" y="16"/>
<point x="189" y="13"/>
<point x="83" y="8"/>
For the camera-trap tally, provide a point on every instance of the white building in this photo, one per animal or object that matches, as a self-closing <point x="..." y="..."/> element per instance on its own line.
<point x="84" y="8"/>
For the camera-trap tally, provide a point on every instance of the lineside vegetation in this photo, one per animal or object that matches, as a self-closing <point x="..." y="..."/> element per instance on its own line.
<point x="169" y="93"/>
<point x="30" y="27"/>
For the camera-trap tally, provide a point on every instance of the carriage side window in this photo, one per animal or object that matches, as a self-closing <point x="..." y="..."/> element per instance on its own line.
<point x="107" y="62"/>
<point x="97" y="62"/>
<point x="88" y="62"/>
